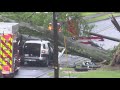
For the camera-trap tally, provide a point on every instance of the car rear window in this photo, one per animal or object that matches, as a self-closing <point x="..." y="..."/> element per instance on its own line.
<point x="32" y="49"/>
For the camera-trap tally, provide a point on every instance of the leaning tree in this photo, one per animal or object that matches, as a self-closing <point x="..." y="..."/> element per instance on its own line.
<point x="39" y="23"/>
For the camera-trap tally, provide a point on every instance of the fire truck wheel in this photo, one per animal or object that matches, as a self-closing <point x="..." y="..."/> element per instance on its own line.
<point x="8" y="76"/>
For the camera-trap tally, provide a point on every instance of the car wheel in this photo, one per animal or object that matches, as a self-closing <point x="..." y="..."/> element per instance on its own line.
<point x="46" y="62"/>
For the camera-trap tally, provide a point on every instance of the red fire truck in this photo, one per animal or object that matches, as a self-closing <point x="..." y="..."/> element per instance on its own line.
<point x="9" y="49"/>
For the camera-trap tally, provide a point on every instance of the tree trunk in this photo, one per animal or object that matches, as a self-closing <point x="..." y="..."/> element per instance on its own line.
<point x="83" y="49"/>
<point x="116" y="58"/>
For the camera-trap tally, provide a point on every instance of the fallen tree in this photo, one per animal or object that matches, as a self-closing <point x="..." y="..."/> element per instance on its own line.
<point x="85" y="50"/>
<point x="82" y="49"/>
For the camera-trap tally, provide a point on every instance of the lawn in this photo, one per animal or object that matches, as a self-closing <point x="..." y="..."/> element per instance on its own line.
<point x="88" y="13"/>
<point x="100" y="73"/>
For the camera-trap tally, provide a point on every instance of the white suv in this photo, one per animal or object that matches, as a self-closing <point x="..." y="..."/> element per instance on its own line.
<point x="37" y="51"/>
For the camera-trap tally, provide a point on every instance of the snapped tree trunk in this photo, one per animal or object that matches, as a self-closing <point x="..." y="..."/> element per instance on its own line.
<point x="116" y="58"/>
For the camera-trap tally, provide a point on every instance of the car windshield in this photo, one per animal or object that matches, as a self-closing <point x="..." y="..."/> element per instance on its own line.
<point x="32" y="49"/>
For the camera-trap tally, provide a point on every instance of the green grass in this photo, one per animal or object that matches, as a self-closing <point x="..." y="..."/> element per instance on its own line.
<point x="88" y="13"/>
<point x="100" y="73"/>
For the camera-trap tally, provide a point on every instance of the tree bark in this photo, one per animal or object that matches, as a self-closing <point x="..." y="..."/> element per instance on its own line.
<point x="83" y="49"/>
<point x="116" y="58"/>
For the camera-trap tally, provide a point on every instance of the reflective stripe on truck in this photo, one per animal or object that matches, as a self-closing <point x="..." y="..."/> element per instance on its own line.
<point x="6" y="53"/>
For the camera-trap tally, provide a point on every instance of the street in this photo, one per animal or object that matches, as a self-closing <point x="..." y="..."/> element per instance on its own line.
<point x="33" y="72"/>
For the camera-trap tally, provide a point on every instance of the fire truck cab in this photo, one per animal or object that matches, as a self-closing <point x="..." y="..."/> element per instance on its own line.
<point x="9" y="49"/>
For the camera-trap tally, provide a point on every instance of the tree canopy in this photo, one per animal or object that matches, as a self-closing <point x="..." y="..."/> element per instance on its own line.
<point x="43" y="19"/>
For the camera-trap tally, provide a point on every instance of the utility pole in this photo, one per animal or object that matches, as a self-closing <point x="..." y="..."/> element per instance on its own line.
<point x="56" y="63"/>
